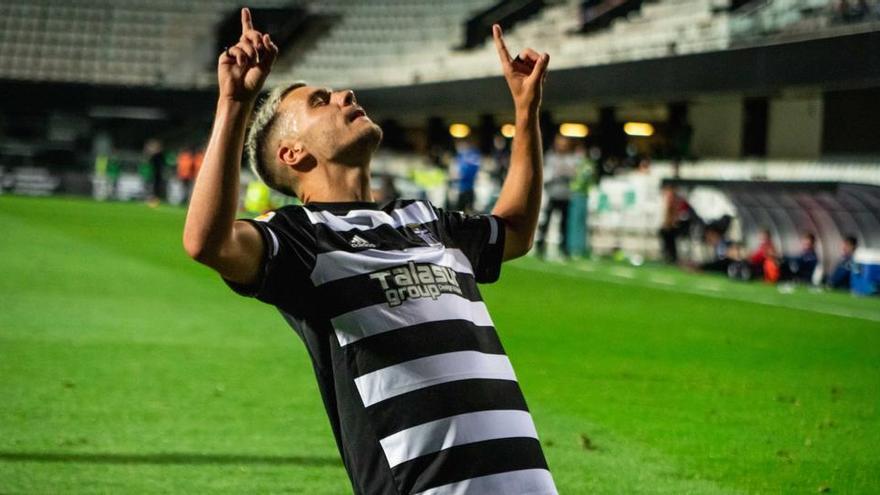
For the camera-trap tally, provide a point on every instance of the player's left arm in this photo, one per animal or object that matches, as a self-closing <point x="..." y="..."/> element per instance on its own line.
<point x="519" y="203"/>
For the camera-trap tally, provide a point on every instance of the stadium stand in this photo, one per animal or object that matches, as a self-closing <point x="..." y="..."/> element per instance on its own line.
<point x="162" y="53"/>
<point x="128" y="42"/>
<point x="171" y="44"/>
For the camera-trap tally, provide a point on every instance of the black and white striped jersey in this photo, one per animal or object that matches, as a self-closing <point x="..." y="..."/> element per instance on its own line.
<point x="420" y="394"/>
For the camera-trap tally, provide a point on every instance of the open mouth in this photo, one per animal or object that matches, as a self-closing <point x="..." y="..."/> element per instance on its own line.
<point x="356" y="114"/>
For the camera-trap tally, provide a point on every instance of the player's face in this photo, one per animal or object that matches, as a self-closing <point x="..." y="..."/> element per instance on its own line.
<point x="331" y="125"/>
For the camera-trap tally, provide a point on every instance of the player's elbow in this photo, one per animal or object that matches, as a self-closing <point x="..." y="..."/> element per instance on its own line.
<point x="197" y="249"/>
<point x="521" y="248"/>
<point x="518" y="240"/>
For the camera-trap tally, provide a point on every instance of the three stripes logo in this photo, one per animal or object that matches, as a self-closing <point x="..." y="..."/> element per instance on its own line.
<point x="359" y="242"/>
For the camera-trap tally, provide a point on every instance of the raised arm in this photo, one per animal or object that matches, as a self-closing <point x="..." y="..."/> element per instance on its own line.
<point x="520" y="200"/>
<point x="211" y="235"/>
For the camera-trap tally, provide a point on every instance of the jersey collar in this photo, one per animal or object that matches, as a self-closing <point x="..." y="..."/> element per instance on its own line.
<point x="342" y="205"/>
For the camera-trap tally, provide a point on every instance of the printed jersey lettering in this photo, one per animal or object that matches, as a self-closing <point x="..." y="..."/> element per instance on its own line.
<point x="416" y="280"/>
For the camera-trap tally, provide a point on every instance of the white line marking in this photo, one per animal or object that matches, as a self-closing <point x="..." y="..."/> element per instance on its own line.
<point x="698" y="292"/>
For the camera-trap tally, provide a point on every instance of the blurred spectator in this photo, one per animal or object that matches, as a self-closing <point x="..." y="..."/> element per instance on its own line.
<point x="840" y="277"/>
<point x="643" y="165"/>
<point x="156" y="162"/>
<point x="501" y="155"/>
<point x="186" y="171"/>
<point x="467" y="161"/>
<point x="560" y="168"/>
<point x="578" y="233"/>
<point x="720" y="246"/>
<point x="738" y="267"/>
<point x="198" y="158"/>
<point x="257" y="198"/>
<point x="677" y="218"/>
<point x="850" y="10"/>
<point x="676" y="168"/>
<point x="800" y="268"/>
<point x="386" y="191"/>
<point x="762" y="260"/>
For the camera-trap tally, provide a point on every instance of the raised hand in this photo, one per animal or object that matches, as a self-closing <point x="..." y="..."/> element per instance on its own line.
<point x="243" y="68"/>
<point x="524" y="74"/>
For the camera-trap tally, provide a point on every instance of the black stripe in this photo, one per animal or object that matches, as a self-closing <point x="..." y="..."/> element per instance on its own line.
<point x="468" y="461"/>
<point x="383" y="237"/>
<point x="359" y="291"/>
<point x="416" y="341"/>
<point x="441" y="401"/>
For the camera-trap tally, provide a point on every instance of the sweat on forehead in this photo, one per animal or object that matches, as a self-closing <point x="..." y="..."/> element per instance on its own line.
<point x="303" y="93"/>
<point x="295" y="100"/>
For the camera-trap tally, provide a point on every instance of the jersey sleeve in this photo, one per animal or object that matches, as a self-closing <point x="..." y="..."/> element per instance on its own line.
<point x="287" y="260"/>
<point x="480" y="237"/>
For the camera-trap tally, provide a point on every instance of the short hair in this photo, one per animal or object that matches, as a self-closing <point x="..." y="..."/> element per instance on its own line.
<point x="851" y="240"/>
<point x="810" y="237"/>
<point x="261" y="128"/>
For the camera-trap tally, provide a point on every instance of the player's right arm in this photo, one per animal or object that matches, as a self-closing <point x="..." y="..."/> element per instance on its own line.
<point x="211" y="235"/>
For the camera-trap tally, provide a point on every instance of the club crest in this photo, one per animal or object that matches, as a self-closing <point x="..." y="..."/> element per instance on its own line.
<point x="424" y="234"/>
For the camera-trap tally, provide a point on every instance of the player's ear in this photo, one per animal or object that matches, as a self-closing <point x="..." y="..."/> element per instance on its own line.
<point x="293" y="153"/>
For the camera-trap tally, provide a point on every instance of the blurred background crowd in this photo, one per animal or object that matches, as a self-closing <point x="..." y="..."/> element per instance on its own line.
<point x="729" y="136"/>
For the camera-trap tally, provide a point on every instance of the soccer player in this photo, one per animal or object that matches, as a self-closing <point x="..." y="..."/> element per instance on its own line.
<point x="419" y="392"/>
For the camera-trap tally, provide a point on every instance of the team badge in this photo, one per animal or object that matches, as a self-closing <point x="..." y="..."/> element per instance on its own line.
<point x="424" y="234"/>
<point x="265" y="217"/>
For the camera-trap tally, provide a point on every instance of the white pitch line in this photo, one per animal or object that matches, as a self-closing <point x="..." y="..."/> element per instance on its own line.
<point x="706" y="293"/>
<point x="657" y="279"/>
<point x="622" y="272"/>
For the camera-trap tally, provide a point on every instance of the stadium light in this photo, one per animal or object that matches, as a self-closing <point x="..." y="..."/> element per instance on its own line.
<point x="638" y="129"/>
<point x="459" y="130"/>
<point x="574" y="130"/>
<point x="508" y="130"/>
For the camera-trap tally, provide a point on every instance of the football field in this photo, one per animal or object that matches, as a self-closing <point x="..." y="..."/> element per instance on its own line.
<point x="127" y="368"/>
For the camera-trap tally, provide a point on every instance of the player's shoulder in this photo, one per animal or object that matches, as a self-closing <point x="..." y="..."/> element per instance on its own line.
<point x="285" y="217"/>
<point x="400" y="203"/>
<point x="420" y="211"/>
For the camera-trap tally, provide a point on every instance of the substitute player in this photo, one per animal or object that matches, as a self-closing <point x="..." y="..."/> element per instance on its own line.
<point x="420" y="394"/>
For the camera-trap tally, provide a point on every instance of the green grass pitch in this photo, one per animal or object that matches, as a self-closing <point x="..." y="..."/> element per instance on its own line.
<point x="127" y="368"/>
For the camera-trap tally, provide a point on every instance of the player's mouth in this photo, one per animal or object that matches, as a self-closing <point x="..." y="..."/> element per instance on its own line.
<point x="356" y="114"/>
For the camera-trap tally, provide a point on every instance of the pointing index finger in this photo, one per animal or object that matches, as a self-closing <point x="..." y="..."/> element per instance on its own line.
<point x="246" y="22"/>
<point x="503" y="54"/>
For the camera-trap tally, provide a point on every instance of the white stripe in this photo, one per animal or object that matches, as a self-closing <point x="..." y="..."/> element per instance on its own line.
<point x="370" y="219"/>
<point x="380" y="318"/>
<point x="274" y="241"/>
<point x="461" y="429"/>
<point x="427" y="212"/>
<point x="752" y="296"/>
<point x="341" y="264"/>
<point x="432" y="370"/>
<point x="522" y="482"/>
<point x="493" y="230"/>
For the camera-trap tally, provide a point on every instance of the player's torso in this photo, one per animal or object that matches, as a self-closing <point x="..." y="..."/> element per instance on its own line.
<point x="429" y="379"/>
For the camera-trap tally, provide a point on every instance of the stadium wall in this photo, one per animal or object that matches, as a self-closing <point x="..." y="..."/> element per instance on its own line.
<point x="795" y="127"/>
<point x="717" y="127"/>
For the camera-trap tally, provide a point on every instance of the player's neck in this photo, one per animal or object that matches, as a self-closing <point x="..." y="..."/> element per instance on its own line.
<point x="341" y="184"/>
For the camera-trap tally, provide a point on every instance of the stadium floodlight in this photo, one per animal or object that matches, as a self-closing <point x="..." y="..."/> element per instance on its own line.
<point x="459" y="130"/>
<point x="508" y="131"/>
<point x="574" y="130"/>
<point x="638" y="129"/>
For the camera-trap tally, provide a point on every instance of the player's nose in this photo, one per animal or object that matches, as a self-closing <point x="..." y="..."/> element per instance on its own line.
<point x="345" y="98"/>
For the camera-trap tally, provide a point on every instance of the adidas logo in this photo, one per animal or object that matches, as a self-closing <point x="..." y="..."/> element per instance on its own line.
<point x="359" y="242"/>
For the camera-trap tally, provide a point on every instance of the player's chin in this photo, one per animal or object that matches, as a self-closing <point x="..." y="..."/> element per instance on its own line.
<point x="364" y="141"/>
<point x="369" y="134"/>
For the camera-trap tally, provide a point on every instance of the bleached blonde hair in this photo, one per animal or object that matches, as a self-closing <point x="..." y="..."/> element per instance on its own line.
<point x="262" y="126"/>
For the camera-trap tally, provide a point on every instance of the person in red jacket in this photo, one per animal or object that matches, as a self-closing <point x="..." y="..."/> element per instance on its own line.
<point x="763" y="259"/>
